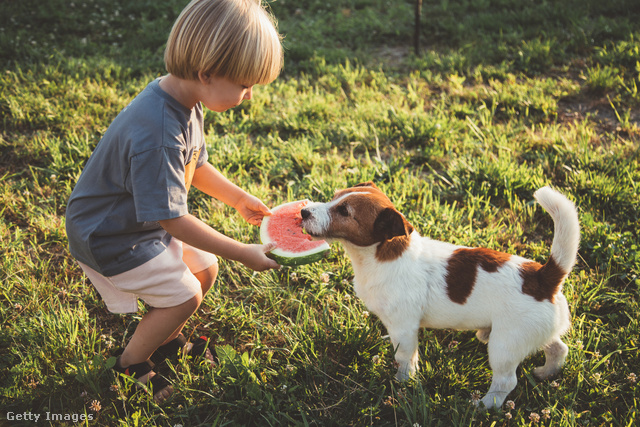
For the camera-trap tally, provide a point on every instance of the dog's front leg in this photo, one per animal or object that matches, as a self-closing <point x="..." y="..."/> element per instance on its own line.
<point x="405" y="344"/>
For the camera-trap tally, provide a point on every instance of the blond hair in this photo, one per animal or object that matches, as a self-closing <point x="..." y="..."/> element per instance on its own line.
<point x="233" y="39"/>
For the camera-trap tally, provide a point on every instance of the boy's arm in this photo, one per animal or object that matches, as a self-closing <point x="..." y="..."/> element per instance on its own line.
<point x="194" y="232"/>
<point x="210" y="181"/>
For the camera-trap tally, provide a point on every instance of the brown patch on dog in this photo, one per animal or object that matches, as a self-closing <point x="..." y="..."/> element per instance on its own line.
<point x="462" y="270"/>
<point x="542" y="281"/>
<point x="393" y="231"/>
<point x="353" y="218"/>
<point x="366" y="217"/>
<point x="366" y="184"/>
<point x="366" y="188"/>
<point x="392" y="249"/>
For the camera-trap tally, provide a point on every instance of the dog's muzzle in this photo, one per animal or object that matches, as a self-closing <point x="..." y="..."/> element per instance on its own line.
<point x="315" y="219"/>
<point x="306" y="222"/>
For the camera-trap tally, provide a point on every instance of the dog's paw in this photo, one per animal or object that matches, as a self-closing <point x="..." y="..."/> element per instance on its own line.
<point x="402" y="375"/>
<point x="542" y="373"/>
<point x="405" y="373"/>
<point x="491" y="401"/>
<point x="483" y="335"/>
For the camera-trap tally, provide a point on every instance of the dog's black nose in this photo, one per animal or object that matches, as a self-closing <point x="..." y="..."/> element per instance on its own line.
<point x="305" y="213"/>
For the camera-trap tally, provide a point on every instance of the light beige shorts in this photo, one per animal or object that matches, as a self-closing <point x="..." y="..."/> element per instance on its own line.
<point x="164" y="281"/>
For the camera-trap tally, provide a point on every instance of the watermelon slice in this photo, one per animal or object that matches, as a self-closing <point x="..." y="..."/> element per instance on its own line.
<point x="284" y="227"/>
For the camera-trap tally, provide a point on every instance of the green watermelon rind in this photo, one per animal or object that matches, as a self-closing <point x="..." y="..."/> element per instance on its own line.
<point x="288" y="258"/>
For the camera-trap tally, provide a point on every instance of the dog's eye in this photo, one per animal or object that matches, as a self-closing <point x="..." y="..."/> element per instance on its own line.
<point x="342" y="210"/>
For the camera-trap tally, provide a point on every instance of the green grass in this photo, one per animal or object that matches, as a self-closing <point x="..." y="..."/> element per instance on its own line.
<point x="505" y="97"/>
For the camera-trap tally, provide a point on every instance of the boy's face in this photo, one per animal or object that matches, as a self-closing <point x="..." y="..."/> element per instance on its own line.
<point x="220" y="94"/>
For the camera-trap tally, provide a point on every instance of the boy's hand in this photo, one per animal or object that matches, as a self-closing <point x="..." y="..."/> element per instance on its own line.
<point x="256" y="259"/>
<point x="252" y="210"/>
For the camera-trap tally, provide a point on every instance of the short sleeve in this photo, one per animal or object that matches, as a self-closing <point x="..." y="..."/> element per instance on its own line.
<point x="202" y="159"/>
<point x="157" y="184"/>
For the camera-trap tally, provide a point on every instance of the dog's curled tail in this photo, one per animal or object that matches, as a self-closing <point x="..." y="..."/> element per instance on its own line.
<point x="566" y="237"/>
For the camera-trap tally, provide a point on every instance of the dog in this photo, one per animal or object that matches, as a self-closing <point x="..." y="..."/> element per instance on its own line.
<point x="409" y="281"/>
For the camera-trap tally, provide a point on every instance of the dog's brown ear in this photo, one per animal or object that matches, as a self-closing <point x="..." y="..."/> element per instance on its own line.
<point x="389" y="224"/>
<point x="366" y="184"/>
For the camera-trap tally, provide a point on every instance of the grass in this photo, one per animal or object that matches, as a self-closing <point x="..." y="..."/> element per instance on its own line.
<point x="505" y="97"/>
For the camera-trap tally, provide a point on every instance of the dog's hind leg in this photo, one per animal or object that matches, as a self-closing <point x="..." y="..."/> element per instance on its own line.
<point x="505" y="353"/>
<point x="405" y="344"/>
<point x="555" y="353"/>
<point x="555" y="350"/>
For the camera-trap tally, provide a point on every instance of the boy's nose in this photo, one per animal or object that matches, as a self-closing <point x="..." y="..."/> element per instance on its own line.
<point x="249" y="93"/>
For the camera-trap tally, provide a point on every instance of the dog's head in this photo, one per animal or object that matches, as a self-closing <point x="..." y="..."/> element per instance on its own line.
<point x="363" y="216"/>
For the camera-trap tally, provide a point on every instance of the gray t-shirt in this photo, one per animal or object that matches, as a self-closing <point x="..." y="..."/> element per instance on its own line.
<point x="139" y="174"/>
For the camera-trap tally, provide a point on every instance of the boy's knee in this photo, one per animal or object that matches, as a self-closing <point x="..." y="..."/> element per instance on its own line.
<point x="207" y="277"/>
<point x="191" y="305"/>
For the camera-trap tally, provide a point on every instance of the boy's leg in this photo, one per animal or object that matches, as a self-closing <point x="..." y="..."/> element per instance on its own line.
<point x="156" y="324"/>
<point x="168" y="276"/>
<point x="206" y="277"/>
<point x="155" y="328"/>
<point x="175" y="266"/>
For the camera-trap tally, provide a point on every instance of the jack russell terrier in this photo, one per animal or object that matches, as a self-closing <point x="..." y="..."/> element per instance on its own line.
<point x="408" y="281"/>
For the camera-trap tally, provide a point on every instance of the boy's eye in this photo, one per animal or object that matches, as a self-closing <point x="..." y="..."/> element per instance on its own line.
<point x="342" y="210"/>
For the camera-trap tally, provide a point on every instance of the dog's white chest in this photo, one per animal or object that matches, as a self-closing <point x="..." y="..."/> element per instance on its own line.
<point x="387" y="288"/>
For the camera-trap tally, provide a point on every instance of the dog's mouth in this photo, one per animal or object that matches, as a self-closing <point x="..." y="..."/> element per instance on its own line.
<point x="311" y="233"/>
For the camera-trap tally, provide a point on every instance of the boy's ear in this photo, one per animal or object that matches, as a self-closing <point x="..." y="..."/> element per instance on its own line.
<point x="203" y="77"/>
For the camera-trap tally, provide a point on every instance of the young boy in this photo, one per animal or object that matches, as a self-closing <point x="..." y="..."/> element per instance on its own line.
<point x="127" y="218"/>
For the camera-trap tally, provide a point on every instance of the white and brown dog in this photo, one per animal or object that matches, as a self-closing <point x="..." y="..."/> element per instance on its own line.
<point x="409" y="281"/>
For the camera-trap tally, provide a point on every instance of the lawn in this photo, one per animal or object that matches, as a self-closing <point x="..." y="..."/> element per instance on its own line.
<point x="505" y="96"/>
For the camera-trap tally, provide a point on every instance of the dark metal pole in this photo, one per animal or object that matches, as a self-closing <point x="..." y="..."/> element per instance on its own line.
<point x="416" y="35"/>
